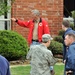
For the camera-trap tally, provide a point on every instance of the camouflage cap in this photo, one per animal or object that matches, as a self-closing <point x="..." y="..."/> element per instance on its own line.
<point x="46" y="37"/>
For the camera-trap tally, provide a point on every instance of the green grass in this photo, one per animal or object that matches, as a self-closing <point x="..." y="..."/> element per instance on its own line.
<point x="59" y="69"/>
<point x="20" y="70"/>
<point x="25" y="70"/>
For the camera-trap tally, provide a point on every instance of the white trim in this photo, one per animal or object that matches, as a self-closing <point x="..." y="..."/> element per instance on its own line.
<point x="4" y="19"/>
<point x="8" y="16"/>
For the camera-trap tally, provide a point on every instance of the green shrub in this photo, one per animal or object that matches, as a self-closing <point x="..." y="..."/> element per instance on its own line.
<point x="58" y="39"/>
<point x="72" y="26"/>
<point x="12" y="45"/>
<point x="56" y="47"/>
<point x="61" y="32"/>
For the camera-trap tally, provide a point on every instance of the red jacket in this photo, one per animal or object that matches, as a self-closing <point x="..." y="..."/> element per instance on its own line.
<point x="42" y="28"/>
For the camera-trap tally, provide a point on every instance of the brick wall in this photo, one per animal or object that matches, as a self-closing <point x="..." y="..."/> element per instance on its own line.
<point x="51" y="10"/>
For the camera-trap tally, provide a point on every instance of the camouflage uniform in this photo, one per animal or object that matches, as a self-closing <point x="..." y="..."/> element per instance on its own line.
<point x="41" y="60"/>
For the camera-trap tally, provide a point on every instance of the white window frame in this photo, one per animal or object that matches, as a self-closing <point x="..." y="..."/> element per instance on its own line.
<point x="8" y="17"/>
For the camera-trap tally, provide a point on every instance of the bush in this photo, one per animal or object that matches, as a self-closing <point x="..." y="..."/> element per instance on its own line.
<point x="58" y="39"/>
<point x="56" y="47"/>
<point x="12" y="45"/>
<point x="72" y="26"/>
<point x="61" y="32"/>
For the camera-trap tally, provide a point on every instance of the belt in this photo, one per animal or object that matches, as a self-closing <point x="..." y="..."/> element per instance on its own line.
<point x="35" y="40"/>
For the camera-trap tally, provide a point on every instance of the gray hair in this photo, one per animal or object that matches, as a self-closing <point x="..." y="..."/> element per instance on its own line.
<point x="36" y="12"/>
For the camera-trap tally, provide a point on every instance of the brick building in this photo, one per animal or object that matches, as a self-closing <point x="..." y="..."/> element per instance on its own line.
<point x="51" y="10"/>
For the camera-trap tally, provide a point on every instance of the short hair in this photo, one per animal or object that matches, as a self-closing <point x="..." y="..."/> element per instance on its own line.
<point x="71" y="35"/>
<point x="66" y="23"/>
<point x="46" y="38"/>
<point x="36" y="12"/>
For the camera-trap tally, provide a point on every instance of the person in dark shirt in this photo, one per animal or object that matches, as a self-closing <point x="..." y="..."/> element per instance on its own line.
<point x="70" y="55"/>
<point x="4" y="66"/>
<point x="67" y="29"/>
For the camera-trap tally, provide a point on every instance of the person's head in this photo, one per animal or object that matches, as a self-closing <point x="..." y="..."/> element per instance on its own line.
<point x="65" y="24"/>
<point x="46" y="39"/>
<point x="69" y="39"/>
<point x="35" y="14"/>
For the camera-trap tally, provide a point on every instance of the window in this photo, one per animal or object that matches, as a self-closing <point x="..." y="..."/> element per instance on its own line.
<point x="69" y="5"/>
<point x="5" y="22"/>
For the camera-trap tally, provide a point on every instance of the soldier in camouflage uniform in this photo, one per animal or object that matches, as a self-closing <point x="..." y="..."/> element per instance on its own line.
<point x="41" y="58"/>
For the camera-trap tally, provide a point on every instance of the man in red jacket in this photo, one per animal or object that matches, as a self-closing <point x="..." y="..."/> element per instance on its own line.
<point x="37" y="27"/>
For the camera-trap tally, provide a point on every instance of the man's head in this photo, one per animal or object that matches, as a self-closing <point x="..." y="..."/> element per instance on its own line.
<point x="35" y="14"/>
<point x="69" y="39"/>
<point x="65" y="24"/>
<point x="46" y="39"/>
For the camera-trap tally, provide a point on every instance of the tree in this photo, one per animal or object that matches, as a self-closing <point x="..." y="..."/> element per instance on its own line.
<point x="4" y="8"/>
<point x="73" y="15"/>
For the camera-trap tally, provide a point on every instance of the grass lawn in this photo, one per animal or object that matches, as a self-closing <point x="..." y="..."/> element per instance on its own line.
<point x="25" y="70"/>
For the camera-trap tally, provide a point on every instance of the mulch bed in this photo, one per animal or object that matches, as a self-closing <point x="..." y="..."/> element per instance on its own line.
<point x="19" y="62"/>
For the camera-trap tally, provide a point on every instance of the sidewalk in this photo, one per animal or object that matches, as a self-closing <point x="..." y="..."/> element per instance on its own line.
<point x="29" y="65"/>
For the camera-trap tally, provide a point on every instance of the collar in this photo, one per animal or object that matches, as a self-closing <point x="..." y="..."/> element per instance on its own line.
<point x="68" y="29"/>
<point x="43" y="45"/>
<point x="73" y="43"/>
<point x="39" y="20"/>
